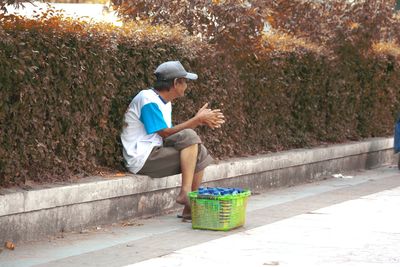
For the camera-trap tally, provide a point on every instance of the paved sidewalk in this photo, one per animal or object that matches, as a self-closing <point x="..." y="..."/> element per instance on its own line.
<point x="335" y="222"/>
<point x="360" y="232"/>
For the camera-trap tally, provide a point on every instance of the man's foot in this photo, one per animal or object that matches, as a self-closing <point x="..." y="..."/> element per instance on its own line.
<point x="183" y="198"/>
<point x="187" y="212"/>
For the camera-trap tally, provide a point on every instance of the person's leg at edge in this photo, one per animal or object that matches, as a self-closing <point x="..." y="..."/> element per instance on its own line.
<point x="188" y="158"/>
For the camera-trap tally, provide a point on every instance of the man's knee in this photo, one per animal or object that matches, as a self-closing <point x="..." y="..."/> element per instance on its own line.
<point x="183" y="139"/>
<point x="189" y="134"/>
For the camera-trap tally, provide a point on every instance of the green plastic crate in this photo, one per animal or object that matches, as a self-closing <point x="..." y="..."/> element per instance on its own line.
<point x="221" y="213"/>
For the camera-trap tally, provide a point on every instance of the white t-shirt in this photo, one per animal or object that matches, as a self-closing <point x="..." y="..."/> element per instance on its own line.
<point x="147" y="114"/>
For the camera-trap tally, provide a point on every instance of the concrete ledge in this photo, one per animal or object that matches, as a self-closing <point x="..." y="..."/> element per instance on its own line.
<point x="100" y="200"/>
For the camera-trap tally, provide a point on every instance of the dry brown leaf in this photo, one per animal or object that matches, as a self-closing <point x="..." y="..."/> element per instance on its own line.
<point x="119" y="174"/>
<point x="10" y="245"/>
<point x="132" y="223"/>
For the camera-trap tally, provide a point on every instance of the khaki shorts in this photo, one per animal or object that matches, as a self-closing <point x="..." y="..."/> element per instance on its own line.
<point x="165" y="160"/>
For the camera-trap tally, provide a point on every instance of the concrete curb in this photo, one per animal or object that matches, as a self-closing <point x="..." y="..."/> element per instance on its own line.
<point x="101" y="200"/>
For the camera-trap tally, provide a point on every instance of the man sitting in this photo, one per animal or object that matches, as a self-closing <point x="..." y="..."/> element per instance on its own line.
<point x="153" y="146"/>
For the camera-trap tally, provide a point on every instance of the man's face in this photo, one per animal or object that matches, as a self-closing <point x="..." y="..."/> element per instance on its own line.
<point x="180" y="86"/>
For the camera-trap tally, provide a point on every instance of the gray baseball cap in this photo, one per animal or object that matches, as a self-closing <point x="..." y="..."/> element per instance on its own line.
<point x="171" y="70"/>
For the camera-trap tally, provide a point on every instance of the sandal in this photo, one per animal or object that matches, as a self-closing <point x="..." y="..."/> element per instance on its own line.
<point x="184" y="217"/>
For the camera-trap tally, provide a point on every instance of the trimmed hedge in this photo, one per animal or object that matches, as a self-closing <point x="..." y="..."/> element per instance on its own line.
<point x="65" y="85"/>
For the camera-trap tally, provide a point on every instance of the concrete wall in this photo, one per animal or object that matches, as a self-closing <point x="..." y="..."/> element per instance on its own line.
<point x="51" y="209"/>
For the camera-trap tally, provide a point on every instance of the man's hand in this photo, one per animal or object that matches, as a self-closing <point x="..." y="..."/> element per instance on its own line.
<point x="205" y="116"/>
<point x="211" y="118"/>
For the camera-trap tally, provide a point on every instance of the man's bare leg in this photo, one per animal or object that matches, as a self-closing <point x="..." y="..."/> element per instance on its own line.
<point x="198" y="178"/>
<point x="188" y="157"/>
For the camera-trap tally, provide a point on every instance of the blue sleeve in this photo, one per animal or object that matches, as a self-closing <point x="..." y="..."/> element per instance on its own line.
<point x="152" y="118"/>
